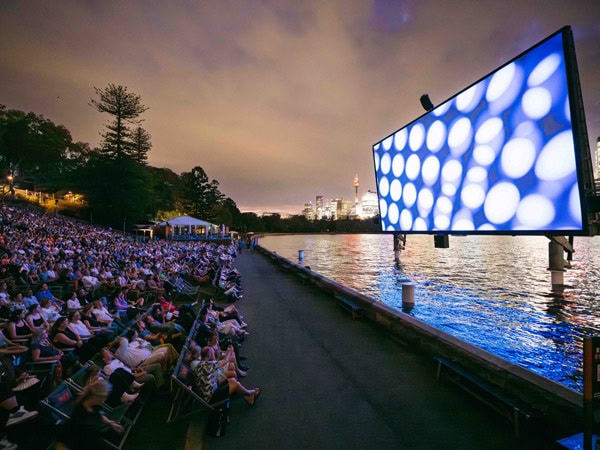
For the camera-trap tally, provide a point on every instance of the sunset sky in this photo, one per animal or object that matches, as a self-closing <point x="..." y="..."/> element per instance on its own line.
<point x="278" y="100"/>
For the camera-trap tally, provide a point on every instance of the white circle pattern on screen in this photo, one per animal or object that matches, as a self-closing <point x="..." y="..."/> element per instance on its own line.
<point x="387" y="143"/>
<point x="416" y="137"/>
<point x="535" y="211"/>
<point x="518" y="157"/>
<point x="409" y="195"/>
<point x="384" y="187"/>
<point x="413" y="166"/>
<point x="386" y="163"/>
<point x="501" y="144"/>
<point x="425" y="202"/>
<point x="484" y="155"/>
<point x="436" y="136"/>
<point x="395" y="190"/>
<point x="406" y="219"/>
<point x="393" y="214"/>
<point x="398" y="165"/>
<point x="400" y="139"/>
<point x="544" y="70"/>
<point x="383" y="208"/>
<point x="460" y="136"/>
<point x="430" y="171"/>
<point x="557" y="158"/>
<point x="472" y="196"/>
<point x="536" y="103"/>
<point x="468" y="100"/>
<point x="501" y="202"/>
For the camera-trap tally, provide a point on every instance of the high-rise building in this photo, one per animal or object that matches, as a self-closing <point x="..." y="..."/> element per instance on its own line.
<point x="319" y="207"/>
<point x="597" y="171"/>
<point x="308" y="211"/>
<point x="369" y="205"/>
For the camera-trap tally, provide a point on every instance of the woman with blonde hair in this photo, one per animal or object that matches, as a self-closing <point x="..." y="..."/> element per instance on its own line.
<point x="87" y="427"/>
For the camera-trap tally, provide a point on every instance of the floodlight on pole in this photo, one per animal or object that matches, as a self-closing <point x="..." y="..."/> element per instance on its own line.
<point x="426" y="102"/>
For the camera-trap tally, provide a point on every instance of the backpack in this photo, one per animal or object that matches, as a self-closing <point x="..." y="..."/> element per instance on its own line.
<point x="217" y="421"/>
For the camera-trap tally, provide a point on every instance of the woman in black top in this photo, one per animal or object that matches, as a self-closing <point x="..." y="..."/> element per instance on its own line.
<point x="35" y="319"/>
<point x="87" y="427"/>
<point x="17" y="327"/>
<point x="68" y="342"/>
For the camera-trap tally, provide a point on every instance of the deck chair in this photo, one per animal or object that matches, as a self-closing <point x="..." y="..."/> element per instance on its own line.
<point x="61" y="403"/>
<point x="129" y="412"/>
<point x="186" y="401"/>
<point x="186" y="289"/>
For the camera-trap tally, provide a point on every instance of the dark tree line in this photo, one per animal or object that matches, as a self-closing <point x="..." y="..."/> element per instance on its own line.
<point x="119" y="186"/>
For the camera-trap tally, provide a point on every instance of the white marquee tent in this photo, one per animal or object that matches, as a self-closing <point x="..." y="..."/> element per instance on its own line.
<point x="188" y="227"/>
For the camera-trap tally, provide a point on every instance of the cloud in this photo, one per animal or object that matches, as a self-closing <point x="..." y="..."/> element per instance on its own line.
<point x="278" y="101"/>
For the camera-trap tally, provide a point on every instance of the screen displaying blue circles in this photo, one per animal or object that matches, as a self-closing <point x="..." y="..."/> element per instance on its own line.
<point x="498" y="157"/>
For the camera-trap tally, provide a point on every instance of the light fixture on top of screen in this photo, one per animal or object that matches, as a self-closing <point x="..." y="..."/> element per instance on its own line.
<point x="426" y="102"/>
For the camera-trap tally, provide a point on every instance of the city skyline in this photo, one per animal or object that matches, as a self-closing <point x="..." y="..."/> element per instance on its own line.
<point x="273" y="106"/>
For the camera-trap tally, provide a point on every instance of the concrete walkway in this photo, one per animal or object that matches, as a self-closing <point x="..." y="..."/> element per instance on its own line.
<point x="329" y="382"/>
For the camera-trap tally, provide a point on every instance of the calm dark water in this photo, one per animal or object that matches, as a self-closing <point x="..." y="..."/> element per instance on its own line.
<point x="491" y="291"/>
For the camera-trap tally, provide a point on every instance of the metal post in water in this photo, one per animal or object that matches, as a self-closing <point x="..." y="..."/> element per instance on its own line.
<point x="399" y="243"/>
<point x="556" y="265"/>
<point x="408" y="293"/>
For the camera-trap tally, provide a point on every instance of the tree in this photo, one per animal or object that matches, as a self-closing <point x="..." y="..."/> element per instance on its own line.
<point x="117" y="191"/>
<point x="141" y="145"/>
<point x="228" y="213"/>
<point x="125" y="109"/>
<point x="165" y="186"/>
<point x="200" y="196"/>
<point x="32" y="145"/>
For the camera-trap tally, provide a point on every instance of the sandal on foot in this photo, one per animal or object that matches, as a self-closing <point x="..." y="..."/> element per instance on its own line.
<point x="250" y="399"/>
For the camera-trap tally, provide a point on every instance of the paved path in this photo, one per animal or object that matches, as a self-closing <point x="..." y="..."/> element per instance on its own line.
<point x="329" y="382"/>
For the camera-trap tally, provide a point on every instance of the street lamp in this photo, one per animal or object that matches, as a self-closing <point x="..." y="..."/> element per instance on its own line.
<point x="10" y="180"/>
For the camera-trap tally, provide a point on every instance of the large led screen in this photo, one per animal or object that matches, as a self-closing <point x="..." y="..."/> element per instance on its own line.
<point x="497" y="158"/>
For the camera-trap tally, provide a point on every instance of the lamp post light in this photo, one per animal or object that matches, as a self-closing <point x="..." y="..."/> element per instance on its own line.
<point x="10" y="178"/>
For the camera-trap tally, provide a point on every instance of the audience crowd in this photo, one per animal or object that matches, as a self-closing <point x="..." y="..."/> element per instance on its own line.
<point x="71" y="293"/>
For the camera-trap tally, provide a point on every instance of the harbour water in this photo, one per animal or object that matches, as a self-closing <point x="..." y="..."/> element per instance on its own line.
<point x="491" y="291"/>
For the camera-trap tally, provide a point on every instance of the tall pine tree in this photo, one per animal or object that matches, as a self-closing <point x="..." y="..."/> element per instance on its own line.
<point x="125" y="108"/>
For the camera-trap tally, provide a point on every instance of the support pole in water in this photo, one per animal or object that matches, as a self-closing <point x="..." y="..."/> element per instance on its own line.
<point x="408" y="293"/>
<point x="399" y="243"/>
<point x="300" y="255"/>
<point x="556" y="265"/>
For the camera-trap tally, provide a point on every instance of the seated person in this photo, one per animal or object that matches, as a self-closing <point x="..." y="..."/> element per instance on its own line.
<point x="29" y="299"/>
<point x="17" y="329"/>
<point x="73" y="303"/>
<point x="90" y="282"/>
<point x="44" y="292"/>
<point x="124" y="308"/>
<point x="158" y="335"/>
<point x="226" y="358"/>
<point x="41" y="348"/>
<point x="102" y="315"/>
<point x="96" y="327"/>
<point x="49" y="310"/>
<point x="150" y="376"/>
<point x="121" y="380"/>
<point x="35" y="319"/>
<point x="134" y="352"/>
<point x="10" y="411"/>
<point x="67" y="341"/>
<point x="87" y="427"/>
<point x="92" y="340"/>
<point x="207" y="384"/>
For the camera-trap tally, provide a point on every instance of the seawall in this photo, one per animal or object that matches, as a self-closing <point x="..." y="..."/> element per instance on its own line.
<point x="552" y="400"/>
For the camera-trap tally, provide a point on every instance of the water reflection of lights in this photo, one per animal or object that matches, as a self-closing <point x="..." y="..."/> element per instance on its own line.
<point x="491" y="291"/>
